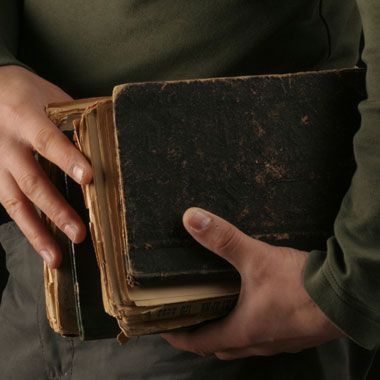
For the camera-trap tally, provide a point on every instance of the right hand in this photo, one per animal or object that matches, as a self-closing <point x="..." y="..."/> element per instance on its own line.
<point x="25" y="129"/>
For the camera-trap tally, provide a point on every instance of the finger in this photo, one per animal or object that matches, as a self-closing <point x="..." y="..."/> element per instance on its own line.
<point x="34" y="183"/>
<point x="241" y="353"/>
<point x="44" y="137"/>
<point x="219" y="236"/>
<point x="268" y="348"/>
<point x="216" y="336"/>
<point x="24" y="214"/>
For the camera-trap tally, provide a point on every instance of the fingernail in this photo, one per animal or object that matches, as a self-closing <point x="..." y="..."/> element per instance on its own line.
<point x="47" y="256"/>
<point x="199" y="220"/>
<point x="71" y="231"/>
<point x="78" y="172"/>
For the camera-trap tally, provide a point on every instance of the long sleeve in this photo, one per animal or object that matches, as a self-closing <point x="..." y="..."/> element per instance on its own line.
<point x="345" y="281"/>
<point x="9" y="31"/>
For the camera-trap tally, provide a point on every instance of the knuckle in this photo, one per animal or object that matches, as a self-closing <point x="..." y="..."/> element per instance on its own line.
<point x="224" y="356"/>
<point x="58" y="215"/>
<point x="43" y="140"/>
<point x="14" y="207"/>
<point x="12" y="113"/>
<point x="35" y="239"/>
<point x="200" y="352"/>
<point x="69" y="160"/>
<point x="226" y="239"/>
<point x="4" y="146"/>
<point x="29" y="184"/>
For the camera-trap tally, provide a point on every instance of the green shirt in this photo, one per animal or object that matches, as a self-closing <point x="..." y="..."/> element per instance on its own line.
<point x="88" y="46"/>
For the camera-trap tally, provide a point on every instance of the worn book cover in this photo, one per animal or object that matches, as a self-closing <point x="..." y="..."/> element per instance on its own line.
<point x="272" y="154"/>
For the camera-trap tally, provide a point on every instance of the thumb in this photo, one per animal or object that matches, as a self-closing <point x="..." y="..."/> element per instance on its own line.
<point x="217" y="235"/>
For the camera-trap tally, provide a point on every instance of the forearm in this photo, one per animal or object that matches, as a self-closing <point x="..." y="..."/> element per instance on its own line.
<point x="345" y="283"/>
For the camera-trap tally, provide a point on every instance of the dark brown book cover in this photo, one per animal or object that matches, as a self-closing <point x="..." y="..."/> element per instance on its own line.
<point x="272" y="154"/>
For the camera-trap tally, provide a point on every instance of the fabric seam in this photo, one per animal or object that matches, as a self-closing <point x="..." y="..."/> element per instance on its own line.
<point x="69" y="372"/>
<point x="327" y="29"/>
<point x="348" y="299"/>
<point x="40" y="336"/>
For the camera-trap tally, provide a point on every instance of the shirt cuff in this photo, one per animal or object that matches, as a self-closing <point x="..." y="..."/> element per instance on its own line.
<point x="354" y="320"/>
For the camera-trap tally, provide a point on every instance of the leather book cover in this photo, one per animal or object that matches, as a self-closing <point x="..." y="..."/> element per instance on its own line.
<point x="272" y="154"/>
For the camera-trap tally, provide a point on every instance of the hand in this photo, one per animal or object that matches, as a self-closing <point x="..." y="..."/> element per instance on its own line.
<point x="25" y="128"/>
<point x="273" y="314"/>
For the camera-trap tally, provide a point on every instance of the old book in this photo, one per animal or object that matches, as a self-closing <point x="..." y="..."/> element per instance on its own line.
<point x="272" y="154"/>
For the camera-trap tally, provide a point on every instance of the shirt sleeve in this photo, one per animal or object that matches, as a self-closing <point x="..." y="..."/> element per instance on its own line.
<point x="345" y="281"/>
<point x="10" y="11"/>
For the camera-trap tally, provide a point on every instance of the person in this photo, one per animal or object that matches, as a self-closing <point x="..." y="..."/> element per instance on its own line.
<point x="300" y="315"/>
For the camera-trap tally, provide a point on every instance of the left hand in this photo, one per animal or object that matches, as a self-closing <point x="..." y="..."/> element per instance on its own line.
<point x="273" y="314"/>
